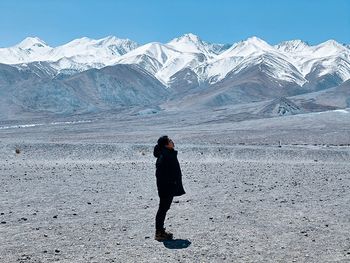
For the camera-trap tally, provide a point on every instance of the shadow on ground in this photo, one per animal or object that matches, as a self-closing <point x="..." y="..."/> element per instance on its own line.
<point x="177" y="243"/>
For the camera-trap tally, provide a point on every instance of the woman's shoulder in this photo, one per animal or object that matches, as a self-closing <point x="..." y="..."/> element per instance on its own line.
<point x="169" y="153"/>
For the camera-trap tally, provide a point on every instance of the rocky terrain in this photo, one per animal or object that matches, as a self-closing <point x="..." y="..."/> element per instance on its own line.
<point x="272" y="190"/>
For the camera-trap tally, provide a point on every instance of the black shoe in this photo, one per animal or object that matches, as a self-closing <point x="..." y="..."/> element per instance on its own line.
<point x="162" y="235"/>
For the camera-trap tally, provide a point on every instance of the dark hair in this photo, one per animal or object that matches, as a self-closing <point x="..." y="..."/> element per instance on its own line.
<point x="162" y="141"/>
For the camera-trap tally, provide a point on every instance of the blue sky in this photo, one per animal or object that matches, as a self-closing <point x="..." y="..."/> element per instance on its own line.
<point x="221" y="21"/>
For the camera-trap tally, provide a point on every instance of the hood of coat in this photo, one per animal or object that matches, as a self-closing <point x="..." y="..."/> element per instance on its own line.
<point x="157" y="151"/>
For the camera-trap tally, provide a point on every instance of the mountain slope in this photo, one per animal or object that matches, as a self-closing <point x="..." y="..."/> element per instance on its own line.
<point x="191" y="43"/>
<point x="87" y="75"/>
<point x="253" y="79"/>
<point x="243" y="54"/>
<point x="30" y="49"/>
<point x="280" y="107"/>
<point x="329" y="99"/>
<point x="94" y="90"/>
<point x="163" y="61"/>
<point x="324" y="65"/>
<point x="119" y="85"/>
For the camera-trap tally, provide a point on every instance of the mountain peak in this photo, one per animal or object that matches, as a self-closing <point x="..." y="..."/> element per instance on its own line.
<point x="257" y="42"/>
<point x="29" y="42"/>
<point x="81" y="40"/>
<point x="330" y="47"/>
<point x="189" y="37"/>
<point x="111" y="39"/>
<point x="191" y="43"/>
<point x="332" y="43"/>
<point x="295" y="42"/>
<point x="292" y="45"/>
<point x="252" y="45"/>
<point x="116" y="40"/>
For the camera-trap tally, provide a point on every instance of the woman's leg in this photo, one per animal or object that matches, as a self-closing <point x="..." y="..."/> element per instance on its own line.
<point x="164" y="205"/>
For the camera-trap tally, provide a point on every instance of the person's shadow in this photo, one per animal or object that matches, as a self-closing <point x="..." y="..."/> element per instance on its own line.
<point x="176" y="243"/>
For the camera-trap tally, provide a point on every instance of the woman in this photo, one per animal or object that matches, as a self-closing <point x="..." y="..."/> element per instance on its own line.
<point x="169" y="182"/>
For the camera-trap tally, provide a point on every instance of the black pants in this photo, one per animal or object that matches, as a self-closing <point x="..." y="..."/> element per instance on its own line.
<point x="164" y="205"/>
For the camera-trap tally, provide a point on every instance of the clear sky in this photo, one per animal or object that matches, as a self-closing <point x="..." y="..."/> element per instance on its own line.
<point x="221" y="21"/>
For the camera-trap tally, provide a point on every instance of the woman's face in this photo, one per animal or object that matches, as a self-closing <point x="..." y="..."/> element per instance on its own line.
<point x="170" y="144"/>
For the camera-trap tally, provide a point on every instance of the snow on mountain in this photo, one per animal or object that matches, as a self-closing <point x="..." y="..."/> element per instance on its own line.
<point x="302" y="49"/>
<point x="151" y="56"/>
<point x="190" y="52"/>
<point x="193" y="44"/>
<point x="185" y="69"/>
<point x="289" y="61"/>
<point x="332" y="65"/>
<point x="77" y="55"/>
<point x="89" y="51"/>
<point x="329" y="57"/>
<point x="252" y="45"/>
<point x="244" y="54"/>
<point x="218" y="48"/>
<point x="30" y="49"/>
<point x="165" y="60"/>
<point x="161" y="60"/>
<point x="293" y="46"/>
<point x="217" y="69"/>
<point x="329" y="48"/>
<point x="207" y="62"/>
<point x="31" y="42"/>
<point x="273" y="66"/>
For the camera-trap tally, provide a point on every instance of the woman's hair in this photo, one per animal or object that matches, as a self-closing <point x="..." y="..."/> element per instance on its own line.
<point x="162" y="141"/>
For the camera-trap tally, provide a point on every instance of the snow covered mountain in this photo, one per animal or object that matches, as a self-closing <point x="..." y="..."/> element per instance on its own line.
<point x="90" y="51"/>
<point x="306" y="57"/>
<point x="294" y="46"/>
<point x="186" y="71"/>
<point x="193" y="44"/>
<point x="208" y="63"/>
<point x="188" y="60"/>
<point x="162" y="60"/>
<point x="244" y="54"/>
<point x="30" y="49"/>
<point x="166" y="60"/>
<point x="75" y="56"/>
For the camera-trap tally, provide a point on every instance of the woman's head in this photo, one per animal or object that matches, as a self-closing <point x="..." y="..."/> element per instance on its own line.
<point x="166" y="142"/>
<point x="163" y="142"/>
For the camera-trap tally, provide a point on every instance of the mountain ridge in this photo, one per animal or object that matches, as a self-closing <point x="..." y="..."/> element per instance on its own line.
<point x="186" y="71"/>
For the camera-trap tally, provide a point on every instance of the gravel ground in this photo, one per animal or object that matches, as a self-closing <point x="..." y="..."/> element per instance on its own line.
<point x="96" y="202"/>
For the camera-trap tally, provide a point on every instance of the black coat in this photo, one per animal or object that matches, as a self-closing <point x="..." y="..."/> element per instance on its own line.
<point x="168" y="173"/>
